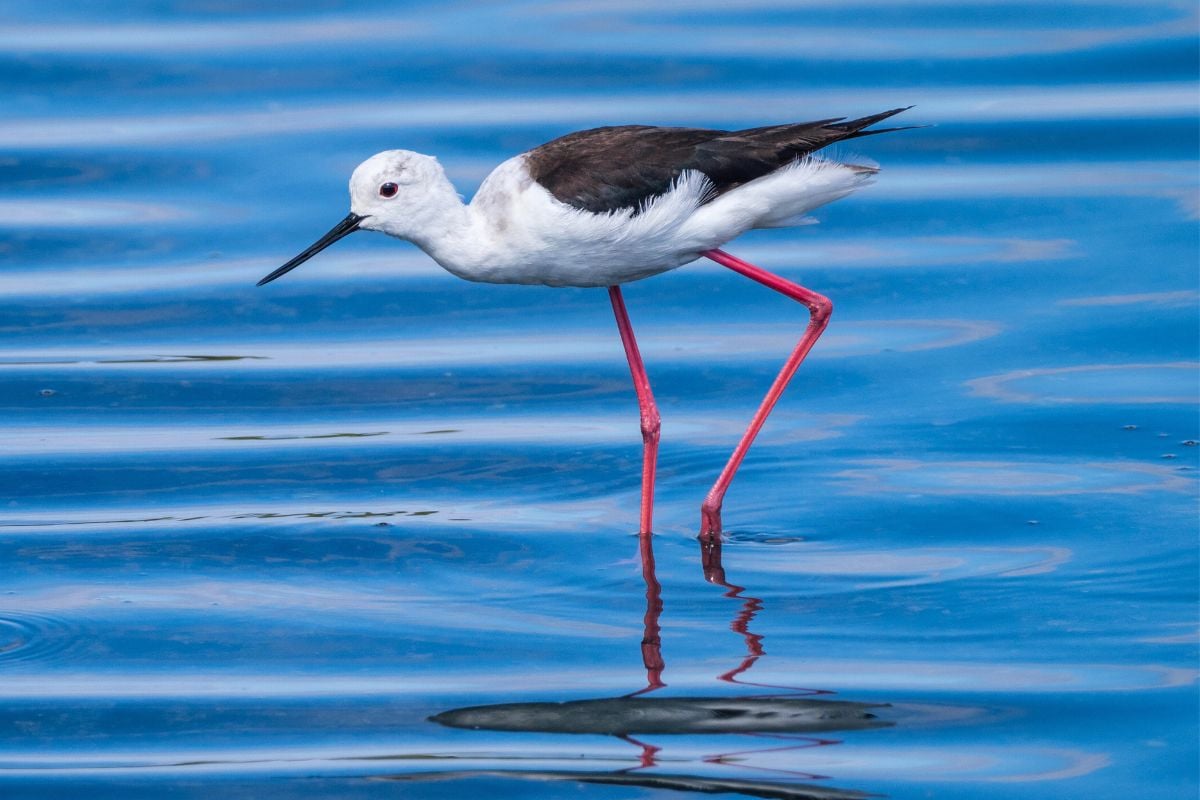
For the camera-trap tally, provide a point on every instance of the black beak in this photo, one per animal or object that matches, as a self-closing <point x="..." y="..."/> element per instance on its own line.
<point x="347" y="226"/>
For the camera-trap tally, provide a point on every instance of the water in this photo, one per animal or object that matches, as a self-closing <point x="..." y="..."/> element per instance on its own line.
<point x="253" y="539"/>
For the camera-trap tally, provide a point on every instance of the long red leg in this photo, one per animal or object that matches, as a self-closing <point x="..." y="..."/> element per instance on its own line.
<point x="819" y="308"/>
<point x="651" y="422"/>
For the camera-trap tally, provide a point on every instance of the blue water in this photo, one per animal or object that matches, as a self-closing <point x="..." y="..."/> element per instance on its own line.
<point x="254" y="538"/>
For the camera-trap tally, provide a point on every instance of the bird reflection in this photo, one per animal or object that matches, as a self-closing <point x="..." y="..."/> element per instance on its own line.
<point x="787" y="720"/>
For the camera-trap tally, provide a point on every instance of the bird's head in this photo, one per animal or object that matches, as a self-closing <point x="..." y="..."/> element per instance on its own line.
<point x="389" y="192"/>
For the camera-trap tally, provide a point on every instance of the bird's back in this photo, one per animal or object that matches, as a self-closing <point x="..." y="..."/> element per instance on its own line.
<point x="623" y="167"/>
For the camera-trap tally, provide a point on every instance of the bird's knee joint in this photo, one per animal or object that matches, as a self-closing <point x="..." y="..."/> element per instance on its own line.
<point x="820" y="309"/>
<point x="651" y="425"/>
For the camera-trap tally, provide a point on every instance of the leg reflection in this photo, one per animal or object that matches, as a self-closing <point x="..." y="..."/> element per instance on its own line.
<point x="652" y="658"/>
<point x="714" y="572"/>
<point x="647" y="756"/>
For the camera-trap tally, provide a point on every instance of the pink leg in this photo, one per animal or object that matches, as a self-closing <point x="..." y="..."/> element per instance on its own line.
<point x="651" y="422"/>
<point x="819" y="308"/>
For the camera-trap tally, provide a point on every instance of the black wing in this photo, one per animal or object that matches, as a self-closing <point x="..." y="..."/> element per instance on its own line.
<point x="605" y="169"/>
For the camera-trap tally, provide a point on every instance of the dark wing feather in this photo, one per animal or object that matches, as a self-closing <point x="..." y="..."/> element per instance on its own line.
<point x="604" y="169"/>
<point x="619" y="167"/>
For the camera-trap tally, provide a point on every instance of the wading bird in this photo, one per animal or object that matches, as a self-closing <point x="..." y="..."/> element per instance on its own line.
<point x="607" y="206"/>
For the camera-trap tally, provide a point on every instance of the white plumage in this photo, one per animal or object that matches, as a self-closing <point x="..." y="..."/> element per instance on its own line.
<point x="515" y="231"/>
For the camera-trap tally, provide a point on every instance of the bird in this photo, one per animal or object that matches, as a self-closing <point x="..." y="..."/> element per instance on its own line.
<point x="607" y="206"/>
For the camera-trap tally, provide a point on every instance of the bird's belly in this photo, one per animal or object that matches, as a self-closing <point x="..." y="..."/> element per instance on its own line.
<point x="575" y="267"/>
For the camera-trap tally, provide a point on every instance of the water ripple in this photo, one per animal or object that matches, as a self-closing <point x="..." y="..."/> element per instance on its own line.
<point x="668" y="344"/>
<point x="27" y="638"/>
<point x="866" y="570"/>
<point x="1042" y="478"/>
<point x="1170" y="382"/>
<point x="965" y="104"/>
<point x="555" y="430"/>
<point x="581" y="28"/>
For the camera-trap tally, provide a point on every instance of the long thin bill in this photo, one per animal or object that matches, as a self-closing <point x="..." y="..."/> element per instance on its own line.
<point x="347" y="226"/>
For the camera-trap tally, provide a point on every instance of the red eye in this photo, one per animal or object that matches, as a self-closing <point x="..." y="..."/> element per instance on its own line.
<point x="388" y="190"/>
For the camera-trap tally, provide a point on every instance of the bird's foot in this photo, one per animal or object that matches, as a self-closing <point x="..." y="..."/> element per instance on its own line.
<point x="710" y="559"/>
<point x="710" y="543"/>
<point x="710" y="520"/>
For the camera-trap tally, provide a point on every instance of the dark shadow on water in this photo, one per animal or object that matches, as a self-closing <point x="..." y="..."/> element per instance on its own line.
<point x="622" y="716"/>
<point x="771" y="723"/>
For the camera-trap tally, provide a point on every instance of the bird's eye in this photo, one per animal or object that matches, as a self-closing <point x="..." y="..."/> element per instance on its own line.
<point x="388" y="190"/>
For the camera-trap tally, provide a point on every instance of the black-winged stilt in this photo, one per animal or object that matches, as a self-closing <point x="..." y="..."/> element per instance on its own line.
<point x="607" y="206"/>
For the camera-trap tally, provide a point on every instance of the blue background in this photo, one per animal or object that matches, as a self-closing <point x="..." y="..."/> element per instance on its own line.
<point x="253" y="538"/>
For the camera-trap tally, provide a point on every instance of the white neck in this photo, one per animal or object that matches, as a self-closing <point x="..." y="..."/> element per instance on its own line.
<point x="441" y="225"/>
<point x="434" y="218"/>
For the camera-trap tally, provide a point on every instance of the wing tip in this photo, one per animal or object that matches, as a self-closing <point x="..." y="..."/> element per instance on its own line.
<point x="857" y="128"/>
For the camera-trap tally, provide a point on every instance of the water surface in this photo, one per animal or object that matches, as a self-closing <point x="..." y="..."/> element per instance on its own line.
<point x="370" y="531"/>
